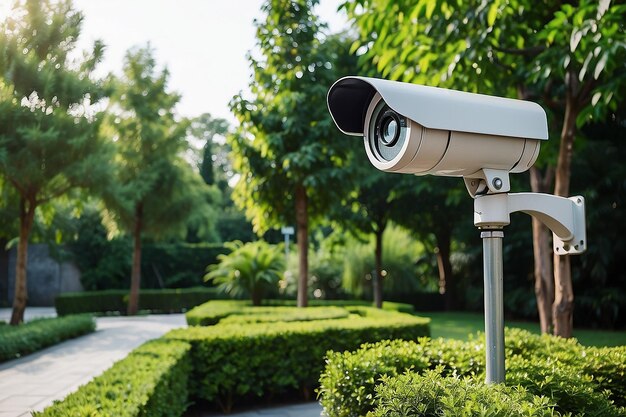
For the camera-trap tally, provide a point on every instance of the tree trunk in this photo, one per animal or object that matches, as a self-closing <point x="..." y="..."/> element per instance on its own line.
<point x="563" y="306"/>
<point x="27" y="216"/>
<point x="377" y="282"/>
<point x="256" y="296"/>
<point x="447" y="286"/>
<point x="135" y="277"/>
<point x="302" y="223"/>
<point x="542" y="250"/>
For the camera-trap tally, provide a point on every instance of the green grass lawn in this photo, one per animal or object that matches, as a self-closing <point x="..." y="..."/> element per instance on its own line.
<point x="458" y="325"/>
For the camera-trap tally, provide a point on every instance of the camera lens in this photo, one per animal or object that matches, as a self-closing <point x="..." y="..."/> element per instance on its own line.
<point x="388" y="131"/>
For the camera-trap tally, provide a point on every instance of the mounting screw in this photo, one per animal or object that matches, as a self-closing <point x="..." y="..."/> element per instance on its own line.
<point x="497" y="183"/>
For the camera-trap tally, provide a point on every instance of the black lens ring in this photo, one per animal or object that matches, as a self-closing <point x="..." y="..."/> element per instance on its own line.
<point x="384" y="119"/>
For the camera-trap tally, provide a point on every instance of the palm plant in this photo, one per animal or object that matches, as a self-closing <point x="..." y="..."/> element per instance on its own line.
<point x="249" y="269"/>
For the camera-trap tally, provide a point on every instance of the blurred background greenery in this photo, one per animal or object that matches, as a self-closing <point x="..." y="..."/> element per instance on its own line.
<point x="109" y="175"/>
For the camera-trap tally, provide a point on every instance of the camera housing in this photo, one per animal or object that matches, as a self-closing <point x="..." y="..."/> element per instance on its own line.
<point x="410" y="128"/>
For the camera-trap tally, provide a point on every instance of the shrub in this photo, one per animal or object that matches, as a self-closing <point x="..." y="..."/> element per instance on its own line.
<point x="287" y="356"/>
<point x="252" y="269"/>
<point x="348" y="382"/>
<point x="606" y="366"/>
<point x="212" y="312"/>
<point x="115" y="301"/>
<point x="16" y="341"/>
<point x="151" y="381"/>
<point x="578" y="379"/>
<point x="433" y="395"/>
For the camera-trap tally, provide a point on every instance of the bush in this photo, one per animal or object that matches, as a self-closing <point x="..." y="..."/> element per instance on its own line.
<point x="105" y="264"/>
<point x="287" y="356"/>
<point x="252" y="270"/>
<point x="433" y="395"/>
<point x="16" y="341"/>
<point x="578" y="379"/>
<point x="151" y="381"/>
<point x="605" y="366"/>
<point x="212" y="312"/>
<point x="115" y="301"/>
<point x="348" y="382"/>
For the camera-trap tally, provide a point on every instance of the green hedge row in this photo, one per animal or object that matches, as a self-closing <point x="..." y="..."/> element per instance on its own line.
<point x="116" y="301"/>
<point x="151" y="381"/>
<point x="16" y="341"/>
<point x="387" y="305"/>
<point x="287" y="356"/>
<point x="577" y="379"/>
<point x="213" y="312"/>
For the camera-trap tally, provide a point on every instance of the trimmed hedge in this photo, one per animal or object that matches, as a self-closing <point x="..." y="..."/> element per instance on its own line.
<point x="287" y="356"/>
<point x="16" y="341"/>
<point x="213" y="312"/>
<point x="116" y="301"/>
<point x="576" y="378"/>
<point x="151" y="381"/>
<point x="387" y="305"/>
<point x="432" y="394"/>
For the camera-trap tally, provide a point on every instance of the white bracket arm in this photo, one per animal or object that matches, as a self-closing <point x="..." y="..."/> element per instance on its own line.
<point x="565" y="217"/>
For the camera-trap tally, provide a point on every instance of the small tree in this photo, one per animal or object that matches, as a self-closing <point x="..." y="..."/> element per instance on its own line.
<point x="286" y="149"/>
<point x="155" y="191"/>
<point x="49" y="141"/>
<point x="250" y="269"/>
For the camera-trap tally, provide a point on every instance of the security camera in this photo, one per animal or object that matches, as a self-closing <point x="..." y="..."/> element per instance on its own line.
<point x="409" y="128"/>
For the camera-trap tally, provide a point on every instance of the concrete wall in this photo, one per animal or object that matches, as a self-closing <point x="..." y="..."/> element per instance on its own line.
<point x="46" y="277"/>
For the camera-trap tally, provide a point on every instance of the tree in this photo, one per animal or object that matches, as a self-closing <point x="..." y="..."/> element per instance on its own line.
<point x="437" y="205"/>
<point x="367" y="210"/>
<point x="286" y="149"/>
<point x="155" y="191"/>
<point x="250" y="269"/>
<point x="565" y="56"/>
<point x="214" y="164"/>
<point x="49" y="141"/>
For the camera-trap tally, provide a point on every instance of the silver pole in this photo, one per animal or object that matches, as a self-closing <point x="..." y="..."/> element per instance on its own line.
<point x="494" y="305"/>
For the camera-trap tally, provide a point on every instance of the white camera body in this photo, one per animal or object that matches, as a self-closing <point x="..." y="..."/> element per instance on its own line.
<point x="410" y="128"/>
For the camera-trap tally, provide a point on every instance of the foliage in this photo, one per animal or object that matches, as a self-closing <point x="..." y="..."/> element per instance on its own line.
<point x="287" y="356"/>
<point x="252" y="269"/>
<point x="431" y="394"/>
<point x="150" y="139"/>
<point x="400" y="256"/>
<point x="116" y="301"/>
<point x="288" y="154"/>
<point x="104" y="263"/>
<point x="286" y="137"/>
<point x="17" y="341"/>
<point x="151" y="381"/>
<point x="567" y="56"/>
<point x="155" y="192"/>
<point x="575" y="378"/>
<point x="49" y="140"/>
<point x="213" y="312"/>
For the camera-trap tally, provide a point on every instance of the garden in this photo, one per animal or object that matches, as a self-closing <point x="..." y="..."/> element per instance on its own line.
<point x="302" y="271"/>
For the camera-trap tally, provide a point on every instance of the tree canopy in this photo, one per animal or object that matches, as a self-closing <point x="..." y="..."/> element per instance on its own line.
<point x="49" y="141"/>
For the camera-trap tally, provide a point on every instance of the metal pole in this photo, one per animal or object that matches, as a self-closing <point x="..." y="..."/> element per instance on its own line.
<point x="286" y="247"/>
<point x="494" y="305"/>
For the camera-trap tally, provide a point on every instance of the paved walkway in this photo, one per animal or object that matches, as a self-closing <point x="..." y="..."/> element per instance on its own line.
<point x="35" y="381"/>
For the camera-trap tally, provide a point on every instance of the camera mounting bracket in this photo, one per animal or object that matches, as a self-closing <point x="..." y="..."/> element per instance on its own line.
<point x="565" y="217"/>
<point x="487" y="181"/>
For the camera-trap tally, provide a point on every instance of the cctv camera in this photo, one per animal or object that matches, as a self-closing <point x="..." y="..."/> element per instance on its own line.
<point x="416" y="129"/>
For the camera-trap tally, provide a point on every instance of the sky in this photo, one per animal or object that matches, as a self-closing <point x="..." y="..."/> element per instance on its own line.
<point x="203" y="43"/>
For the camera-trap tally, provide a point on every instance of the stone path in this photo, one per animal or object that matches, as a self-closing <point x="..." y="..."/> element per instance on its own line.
<point x="35" y="381"/>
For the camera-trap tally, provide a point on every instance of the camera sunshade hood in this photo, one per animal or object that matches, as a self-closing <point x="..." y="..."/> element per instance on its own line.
<point x="436" y="108"/>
